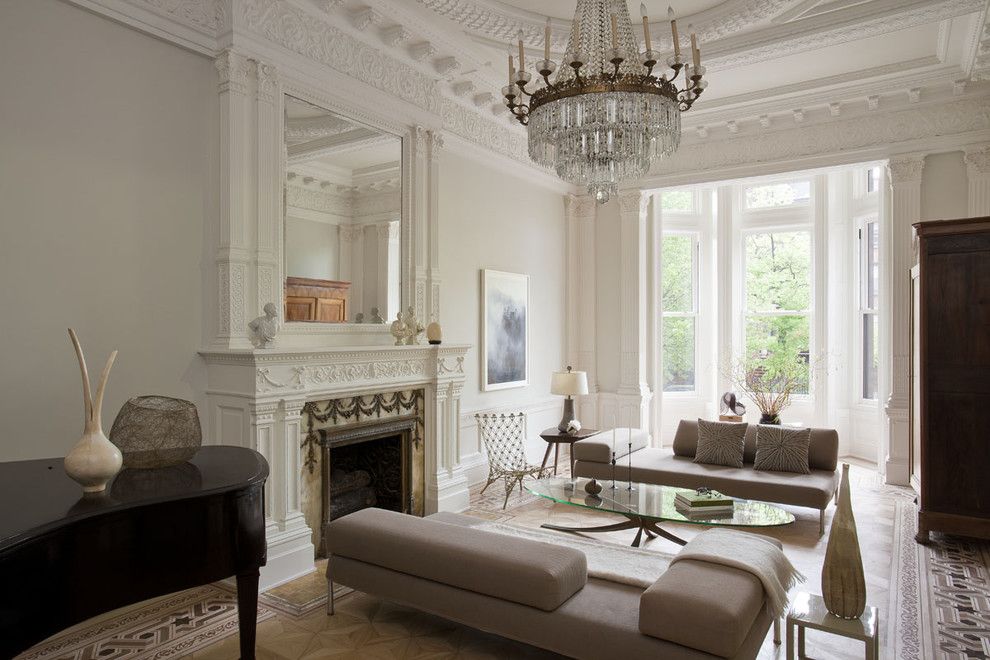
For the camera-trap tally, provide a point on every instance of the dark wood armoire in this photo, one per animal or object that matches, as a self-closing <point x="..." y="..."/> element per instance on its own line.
<point x="951" y="374"/>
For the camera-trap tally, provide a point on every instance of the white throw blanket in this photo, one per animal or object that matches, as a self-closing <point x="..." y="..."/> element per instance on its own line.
<point x="606" y="561"/>
<point x="749" y="553"/>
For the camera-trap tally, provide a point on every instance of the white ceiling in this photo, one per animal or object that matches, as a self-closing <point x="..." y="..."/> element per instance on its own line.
<point x="764" y="57"/>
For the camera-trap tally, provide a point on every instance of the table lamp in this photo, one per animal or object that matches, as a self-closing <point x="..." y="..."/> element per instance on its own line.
<point x="568" y="383"/>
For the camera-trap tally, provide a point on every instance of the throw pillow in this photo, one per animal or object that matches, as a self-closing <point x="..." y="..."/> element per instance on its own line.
<point x="782" y="449"/>
<point x="721" y="443"/>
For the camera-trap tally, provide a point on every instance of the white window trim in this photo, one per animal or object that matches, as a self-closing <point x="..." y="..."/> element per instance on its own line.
<point x="861" y="261"/>
<point x="806" y="225"/>
<point x="695" y="235"/>
<point x="806" y="206"/>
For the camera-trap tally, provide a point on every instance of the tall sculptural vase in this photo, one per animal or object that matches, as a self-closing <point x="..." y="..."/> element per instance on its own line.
<point x="94" y="460"/>
<point x="843" y="584"/>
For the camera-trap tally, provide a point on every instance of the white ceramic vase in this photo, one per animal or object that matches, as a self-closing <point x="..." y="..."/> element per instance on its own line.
<point x="94" y="460"/>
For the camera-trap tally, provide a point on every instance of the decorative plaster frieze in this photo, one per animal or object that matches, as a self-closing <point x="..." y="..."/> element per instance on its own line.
<point x="834" y="109"/>
<point x="876" y="130"/>
<point x="483" y="99"/>
<point x="318" y="200"/>
<point x="914" y="94"/>
<point x="873" y="102"/>
<point x="290" y="27"/>
<point x="765" y="121"/>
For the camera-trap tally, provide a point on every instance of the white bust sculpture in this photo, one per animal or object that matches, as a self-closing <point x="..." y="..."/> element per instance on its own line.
<point x="264" y="328"/>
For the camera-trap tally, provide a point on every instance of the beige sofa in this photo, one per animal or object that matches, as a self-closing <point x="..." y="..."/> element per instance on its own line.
<point x="540" y="593"/>
<point x="592" y="458"/>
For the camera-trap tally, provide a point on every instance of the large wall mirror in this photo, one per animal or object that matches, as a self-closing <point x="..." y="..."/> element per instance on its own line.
<point x="342" y="218"/>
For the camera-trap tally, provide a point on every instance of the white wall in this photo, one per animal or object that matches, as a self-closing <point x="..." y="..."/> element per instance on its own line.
<point x="491" y="219"/>
<point x="107" y="178"/>
<point x="944" y="187"/>
<point x="311" y="249"/>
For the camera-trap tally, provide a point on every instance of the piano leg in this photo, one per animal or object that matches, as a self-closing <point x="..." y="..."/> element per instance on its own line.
<point x="247" y="612"/>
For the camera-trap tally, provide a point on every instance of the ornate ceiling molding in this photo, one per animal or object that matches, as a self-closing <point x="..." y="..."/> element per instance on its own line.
<point x="892" y="131"/>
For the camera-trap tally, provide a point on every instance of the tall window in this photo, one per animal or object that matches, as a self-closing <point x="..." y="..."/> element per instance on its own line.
<point x="778" y="301"/>
<point x="679" y="277"/>
<point x="869" y="244"/>
<point x="775" y="195"/>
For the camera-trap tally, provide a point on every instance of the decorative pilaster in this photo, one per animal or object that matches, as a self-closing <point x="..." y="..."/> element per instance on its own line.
<point x="634" y="393"/>
<point x="387" y="296"/>
<point x="419" y="205"/>
<point x="268" y="110"/>
<point x="350" y="243"/>
<point x="904" y="174"/>
<point x="580" y="312"/>
<point x="433" y="230"/>
<point x="978" y="168"/>
<point x="232" y="249"/>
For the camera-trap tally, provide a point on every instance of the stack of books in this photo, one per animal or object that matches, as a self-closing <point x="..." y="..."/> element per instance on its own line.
<point x="708" y="503"/>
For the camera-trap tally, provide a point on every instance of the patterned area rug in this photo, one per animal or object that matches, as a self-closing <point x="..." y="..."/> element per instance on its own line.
<point x="170" y="627"/>
<point x="942" y="597"/>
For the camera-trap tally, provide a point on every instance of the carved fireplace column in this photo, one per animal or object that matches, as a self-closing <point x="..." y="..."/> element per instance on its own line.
<point x="978" y="166"/>
<point x="634" y="394"/>
<point x="904" y="173"/>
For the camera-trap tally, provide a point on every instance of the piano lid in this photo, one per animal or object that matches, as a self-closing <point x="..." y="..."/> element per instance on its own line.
<point x="37" y="495"/>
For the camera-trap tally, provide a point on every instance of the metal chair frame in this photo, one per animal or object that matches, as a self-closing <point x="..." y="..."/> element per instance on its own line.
<point x="504" y="437"/>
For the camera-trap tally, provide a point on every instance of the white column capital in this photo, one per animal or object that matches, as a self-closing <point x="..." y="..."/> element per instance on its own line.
<point x="633" y="201"/>
<point x="978" y="160"/>
<point x="234" y="70"/>
<point x="580" y="207"/>
<point x="905" y="168"/>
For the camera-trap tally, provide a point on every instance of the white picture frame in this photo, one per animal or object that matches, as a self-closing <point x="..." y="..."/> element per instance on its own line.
<point x="504" y="330"/>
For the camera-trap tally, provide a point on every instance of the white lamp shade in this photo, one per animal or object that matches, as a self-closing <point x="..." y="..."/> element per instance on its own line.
<point x="569" y="383"/>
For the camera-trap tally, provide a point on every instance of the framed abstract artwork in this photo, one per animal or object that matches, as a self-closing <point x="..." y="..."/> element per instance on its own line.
<point x="504" y="330"/>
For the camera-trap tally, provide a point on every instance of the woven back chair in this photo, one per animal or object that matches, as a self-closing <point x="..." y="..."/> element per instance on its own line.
<point x="504" y="437"/>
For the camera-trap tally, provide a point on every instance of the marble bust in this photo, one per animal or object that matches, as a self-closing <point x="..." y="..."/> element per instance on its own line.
<point x="264" y="328"/>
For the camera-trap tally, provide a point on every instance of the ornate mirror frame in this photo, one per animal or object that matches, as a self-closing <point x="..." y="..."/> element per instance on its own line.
<point x="249" y="248"/>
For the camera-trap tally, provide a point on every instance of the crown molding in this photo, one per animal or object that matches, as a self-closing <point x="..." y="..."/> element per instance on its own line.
<point x="923" y="128"/>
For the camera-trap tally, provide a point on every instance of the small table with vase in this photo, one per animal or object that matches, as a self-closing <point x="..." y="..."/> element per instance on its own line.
<point x="648" y="505"/>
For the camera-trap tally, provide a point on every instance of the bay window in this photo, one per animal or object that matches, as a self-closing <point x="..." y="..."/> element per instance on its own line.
<point x="679" y="277"/>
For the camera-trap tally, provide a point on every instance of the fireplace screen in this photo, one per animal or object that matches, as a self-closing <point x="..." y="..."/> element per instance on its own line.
<point x="364" y="465"/>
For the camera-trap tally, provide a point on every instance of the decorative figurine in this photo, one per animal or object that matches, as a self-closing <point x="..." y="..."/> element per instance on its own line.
<point x="398" y="329"/>
<point x="264" y="328"/>
<point x="359" y="317"/>
<point x="376" y="317"/>
<point x="413" y="328"/>
<point x="573" y="427"/>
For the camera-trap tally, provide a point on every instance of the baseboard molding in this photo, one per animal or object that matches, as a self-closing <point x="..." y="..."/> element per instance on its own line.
<point x="286" y="562"/>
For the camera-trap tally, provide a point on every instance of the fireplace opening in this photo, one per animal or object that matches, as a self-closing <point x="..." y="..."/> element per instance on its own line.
<point x="366" y="464"/>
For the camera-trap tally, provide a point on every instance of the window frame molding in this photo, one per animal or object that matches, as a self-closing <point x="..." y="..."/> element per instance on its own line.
<point x="696" y="276"/>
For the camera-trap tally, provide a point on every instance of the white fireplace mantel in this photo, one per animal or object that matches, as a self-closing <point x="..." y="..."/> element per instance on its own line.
<point x="255" y="399"/>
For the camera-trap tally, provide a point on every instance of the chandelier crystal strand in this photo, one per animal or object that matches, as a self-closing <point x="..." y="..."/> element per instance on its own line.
<point x="602" y="116"/>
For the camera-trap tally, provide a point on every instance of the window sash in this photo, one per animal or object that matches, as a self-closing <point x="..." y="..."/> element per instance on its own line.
<point x="693" y="313"/>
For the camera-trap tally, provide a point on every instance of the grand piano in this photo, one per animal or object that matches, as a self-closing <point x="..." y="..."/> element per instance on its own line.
<point x="65" y="557"/>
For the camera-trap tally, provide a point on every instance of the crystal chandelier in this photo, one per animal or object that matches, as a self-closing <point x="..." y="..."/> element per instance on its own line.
<point x="605" y="116"/>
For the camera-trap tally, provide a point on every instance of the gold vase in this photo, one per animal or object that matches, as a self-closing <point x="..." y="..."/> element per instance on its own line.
<point x="843" y="584"/>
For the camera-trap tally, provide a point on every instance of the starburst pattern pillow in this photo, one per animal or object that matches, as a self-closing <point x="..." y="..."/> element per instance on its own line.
<point x="721" y="443"/>
<point x="782" y="449"/>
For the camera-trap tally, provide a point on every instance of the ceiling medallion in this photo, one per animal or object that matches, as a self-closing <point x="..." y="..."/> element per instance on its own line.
<point x="605" y="116"/>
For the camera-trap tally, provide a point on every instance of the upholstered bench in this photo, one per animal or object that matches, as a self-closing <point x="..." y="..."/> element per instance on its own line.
<point x="540" y="593"/>
<point x="677" y="468"/>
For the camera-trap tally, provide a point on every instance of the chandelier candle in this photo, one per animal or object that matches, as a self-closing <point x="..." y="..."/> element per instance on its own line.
<point x="673" y="31"/>
<point x="695" y="53"/>
<point x="646" y="27"/>
<point x="546" y="40"/>
<point x="604" y="114"/>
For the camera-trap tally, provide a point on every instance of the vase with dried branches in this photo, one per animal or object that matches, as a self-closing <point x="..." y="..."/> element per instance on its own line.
<point x="769" y="384"/>
<point x="94" y="460"/>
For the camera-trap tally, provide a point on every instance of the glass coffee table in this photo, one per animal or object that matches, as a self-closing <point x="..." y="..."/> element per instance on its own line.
<point x="648" y="505"/>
